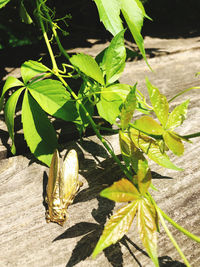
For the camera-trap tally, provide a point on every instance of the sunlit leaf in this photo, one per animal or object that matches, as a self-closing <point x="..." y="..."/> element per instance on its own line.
<point x="10" y="113"/>
<point x="151" y="148"/>
<point x="148" y="125"/>
<point x="128" y="108"/>
<point x="177" y="116"/>
<point x="114" y="58"/>
<point x="148" y="230"/>
<point x="10" y="83"/>
<point x="116" y="227"/>
<point x="38" y="131"/>
<point x="143" y="176"/>
<point x="159" y="103"/>
<point x="109" y="13"/>
<point x="174" y="143"/>
<point x="3" y="3"/>
<point x="24" y="14"/>
<point x="121" y="191"/>
<point x="30" y="69"/>
<point x="88" y="66"/>
<point x="112" y="98"/>
<point x="52" y="96"/>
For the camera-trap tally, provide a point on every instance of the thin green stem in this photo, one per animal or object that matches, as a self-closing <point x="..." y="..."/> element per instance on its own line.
<point x="172" y="238"/>
<point x="182" y="92"/>
<point x="180" y="228"/>
<point x="189" y="136"/>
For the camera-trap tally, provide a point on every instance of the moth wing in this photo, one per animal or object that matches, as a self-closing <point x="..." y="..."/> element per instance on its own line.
<point x="53" y="174"/>
<point x="69" y="177"/>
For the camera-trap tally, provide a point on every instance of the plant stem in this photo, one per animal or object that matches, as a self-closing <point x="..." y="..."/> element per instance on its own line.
<point x="180" y="228"/>
<point x="191" y="135"/>
<point x="172" y="238"/>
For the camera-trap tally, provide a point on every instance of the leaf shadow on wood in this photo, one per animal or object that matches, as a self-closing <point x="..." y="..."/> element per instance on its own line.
<point x="167" y="261"/>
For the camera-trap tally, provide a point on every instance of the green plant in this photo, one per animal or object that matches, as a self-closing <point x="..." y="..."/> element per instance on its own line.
<point x="46" y="91"/>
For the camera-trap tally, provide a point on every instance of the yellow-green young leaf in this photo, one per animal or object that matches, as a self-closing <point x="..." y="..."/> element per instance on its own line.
<point x="148" y="230"/>
<point x="3" y="3"/>
<point x="159" y="103"/>
<point x="121" y="191"/>
<point x="151" y="148"/>
<point x="174" y="143"/>
<point x="177" y="116"/>
<point x="88" y="66"/>
<point x="24" y="14"/>
<point x="148" y="125"/>
<point x="128" y="108"/>
<point x="143" y="176"/>
<point x="116" y="227"/>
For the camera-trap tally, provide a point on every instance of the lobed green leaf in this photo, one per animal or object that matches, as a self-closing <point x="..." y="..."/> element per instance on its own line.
<point x="177" y="116"/>
<point x="109" y="13"/>
<point x="116" y="227"/>
<point x="148" y="229"/>
<point x="121" y="191"/>
<point x="114" y="58"/>
<point x="159" y="103"/>
<point x="88" y="66"/>
<point x="31" y="69"/>
<point x="10" y="113"/>
<point x="38" y="131"/>
<point x="52" y="96"/>
<point x="112" y="98"/>
<point x="143" y="176"/>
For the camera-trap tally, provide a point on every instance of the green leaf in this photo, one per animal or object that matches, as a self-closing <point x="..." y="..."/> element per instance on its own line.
<point x="10" y="83"/>
<point x="148" y="125"/>
<point x="151" y="148"/>
<point x="10" y="113"/>
<point x="109" y="13"/>
<point x="3" y="3"/>
<point x="52" y="96"/>
<point x="147" y="229"/>
<point x="38" y="131"/>
<point x="128" y="108"/>
<point x="24" y="14"/>
<point x="116" y="227"/>
<point x="159" y="103"/>
<point x="121" y="191"/>
<point x="174" y="143"/>
<point x="177" y="116"/>
<point x="114" y="58"/>
<point x="134" y="14"/>
<point x="143" y="176"/>
<point x="30" y="69"/>
<point x="88" y="66"/>
<point x="111" y="100"/>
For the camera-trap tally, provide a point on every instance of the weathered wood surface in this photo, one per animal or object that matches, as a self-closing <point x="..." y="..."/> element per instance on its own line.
<point x="26" y="239"/>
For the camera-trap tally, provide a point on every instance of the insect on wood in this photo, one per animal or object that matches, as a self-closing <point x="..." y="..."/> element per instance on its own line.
<point x="63" y="184"/>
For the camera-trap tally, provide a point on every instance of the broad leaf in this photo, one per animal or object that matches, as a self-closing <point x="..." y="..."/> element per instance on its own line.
<point x="174" y="143"/>
<point x="121" y="191"/>
<point x="31" y="69"/>
<point x="112" y="98"/>
<point x="10" y="113"/>
<point x="159" y="103"/>
<point x="10" y="83"/>
<point x="3" y="3"/>
<point x="128" y="108"/>
<point x="177" y="116"/>
<point x="134" y="14"/>
<point x="143" y="176"/>
<point x="88" y="66"/>
<point x="148" y="229"/>
<point x="151" y="148"/>
<point x="52" y="96"/>
<point x="109" y="13"/>
<point x="114" y="58"/>
<point x="116" y="227"/>
<point x="148" y="125"/>
<point x="38" y="131"/>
